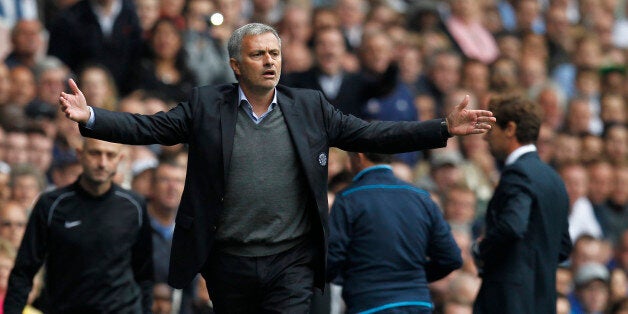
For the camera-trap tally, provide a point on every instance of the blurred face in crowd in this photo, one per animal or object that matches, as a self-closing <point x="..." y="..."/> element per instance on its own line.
<point x="592" y="147"/>
<point x="100" y="160"/>
<point x="376" y="53"/>
<point x="172" y="8"/>
<point x="25" y="189"/>
<point x="16" y="148"/>
<point x="576" y="181"/>
<point x="578" y="116"/>
<point x="325" y="18"/>
<point x="295" y="26"/>
<point x="553" y="111"/>
<point x="23" y="89"/>
<point x="147" y="12"/>
<point x="166" y="40"/>
<point x="96" y="86"/>
<point x="13" y="223"/>
<point x="329" y="49"/>
<point x="351" y="12"/>
<point x="532" y="72"/>
<point x="567" y="147"/>
<point x="557" y="23"/>
<point x="445" y="72"/>
<point x="476" y="77"/>
<point x="586" y="250"/>
<point x="594" y="296"/>
<point x="27" y="37"/>
<point x="50" y="85"/>
<point x="459" y="206"/>
<point x="600" y="182"/>
<point x="168" y="186"/>
<point x="40" y="151"/>
<point x="259" y="66"/>
<point x="588" y="53"/>
<point x="504" y="75"/>
<point x="616" y="143"/>
<point x="613" y="109"/>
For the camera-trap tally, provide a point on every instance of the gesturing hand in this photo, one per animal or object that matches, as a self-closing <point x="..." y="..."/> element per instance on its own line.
<point x="463" y="121"/>
<point x="74" y="105"/>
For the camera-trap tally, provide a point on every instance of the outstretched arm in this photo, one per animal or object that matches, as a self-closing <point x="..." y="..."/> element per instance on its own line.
<point x="462" y="121"/>
<point x="74" y="105"/>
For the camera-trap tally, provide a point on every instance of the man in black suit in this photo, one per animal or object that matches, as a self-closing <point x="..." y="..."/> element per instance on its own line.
<point x="526" y="221"/>
<point x="253" y="216"/>
<point x="345" y="90"/>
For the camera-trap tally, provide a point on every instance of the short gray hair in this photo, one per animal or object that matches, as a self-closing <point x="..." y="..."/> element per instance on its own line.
<point x="235" y="41"/>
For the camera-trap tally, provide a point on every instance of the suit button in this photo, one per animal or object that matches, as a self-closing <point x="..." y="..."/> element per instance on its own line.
<point x="222" y="199"/>
<point x="214" y="227"/>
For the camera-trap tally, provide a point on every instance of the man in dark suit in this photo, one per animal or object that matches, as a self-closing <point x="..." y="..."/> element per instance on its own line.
<point x="345" y="90"/>
<point x="526" y="221"/>
<point x="253" y="216"/>
<point x="81" y="34"/>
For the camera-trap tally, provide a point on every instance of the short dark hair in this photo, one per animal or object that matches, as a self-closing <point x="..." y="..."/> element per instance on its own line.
<point x="379" y="158"/>
<point x="526" y="114"/>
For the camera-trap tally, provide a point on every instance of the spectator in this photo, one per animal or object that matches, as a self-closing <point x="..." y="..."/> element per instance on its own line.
<point x="592" y="290"/>
<point x="342" y="89"/>
<point x="13" y="220"/>
<point x="26" y="184"/>
<point x="164" y="71"/>
<point x="255" y="52"/>
<point x="582" y="219"/>
<point x="94" y="238"/>
<point x="616" y="143"/>
<point x="16" y="147"/>
<point x="27" y="41"/>
<point x="99" y="86"/>
<point x="147" y="13"/>
<point x="105" y="31"/>
<point x="51" y="76"/>
<point x="23" y="86"/>
<point x="206" y="46"/>
<point x="400" y="222"/>
<point x="39" y="149"/>
<point x="459" y="206"/>
<point x="443" y="76"/>
<point x="465" y="26"/>
<point x="5" y="86"/>
<point x="527" y="215"/>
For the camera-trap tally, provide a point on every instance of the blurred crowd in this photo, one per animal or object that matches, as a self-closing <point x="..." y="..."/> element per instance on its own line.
<point x="376" y="59"/>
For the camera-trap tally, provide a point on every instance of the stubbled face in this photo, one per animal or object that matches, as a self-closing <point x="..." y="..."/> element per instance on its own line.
<point x="100" y="160"/>
<point x="259" y="66"/>
<point x="497" y="142"/>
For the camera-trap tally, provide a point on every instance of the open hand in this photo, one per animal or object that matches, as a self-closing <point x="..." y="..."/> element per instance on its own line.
<point x="462" y="121"/>
<point x="74" y="105"/>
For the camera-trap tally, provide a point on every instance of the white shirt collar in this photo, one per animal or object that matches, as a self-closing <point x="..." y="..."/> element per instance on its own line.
<point x="243" y="97"/>
<point x="106" y="21"/>
<point x="518" y="152"/>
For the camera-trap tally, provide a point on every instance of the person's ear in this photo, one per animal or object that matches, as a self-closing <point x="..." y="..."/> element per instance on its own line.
<point x="511" y="129"/>
<point x="235" y="66"/>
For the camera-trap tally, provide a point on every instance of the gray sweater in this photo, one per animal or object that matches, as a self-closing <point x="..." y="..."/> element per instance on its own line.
<point x="265" y="202"/>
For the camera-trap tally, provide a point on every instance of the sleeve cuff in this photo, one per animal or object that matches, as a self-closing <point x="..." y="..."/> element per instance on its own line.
<point x="90" y="122"/>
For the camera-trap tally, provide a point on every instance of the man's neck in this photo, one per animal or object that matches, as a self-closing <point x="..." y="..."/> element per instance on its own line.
<point x="163" y="216"/>
<point x="260" y="100"/>
<point x="94" y="188"/>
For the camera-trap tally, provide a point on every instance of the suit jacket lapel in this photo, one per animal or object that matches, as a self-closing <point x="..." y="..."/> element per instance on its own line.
<point x="228" y="115"/>
<point x="293" y="118"/>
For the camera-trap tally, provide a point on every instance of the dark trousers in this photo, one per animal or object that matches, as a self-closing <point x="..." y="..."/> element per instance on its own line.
<point x="280" y="283"/>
